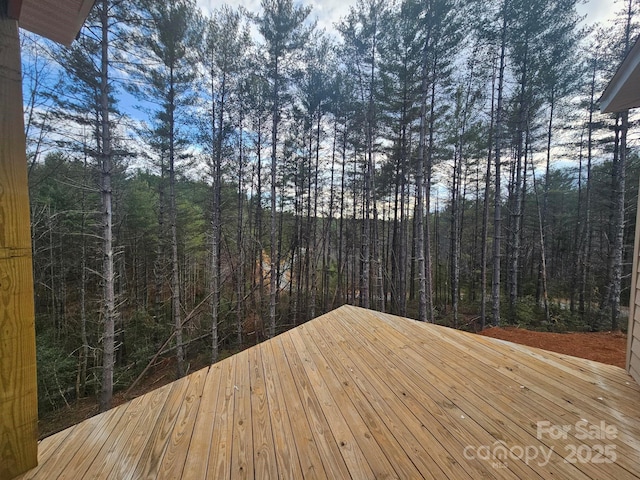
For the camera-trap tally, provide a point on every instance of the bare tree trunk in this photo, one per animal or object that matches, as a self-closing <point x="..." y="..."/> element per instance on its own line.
<point x="619" y="168"/>
<point x="273" y="277"/>
<point x="586" y="230"/>
<point x="545" y="199"/>
<point x="159" y="265"/>
<point x="240" y="240"/>
<point x="369" y="194"/>
<point x="342" y="261"/>
<point x="216" y="221"/>
<point x="326" y="259"/>
<point x="175" y="265"/>
<point x="485" y="211"/>
<point x="427" y="195"/>
<point x="260" y="247"/>
<point x="497" y="233"/>
<point x="109" y="307"/>
<point x="420" y="192"/>
<point x="315" y="251"/>
<point x="541" y="232"/>
<point x="453" y="237"/>
<point x="81" y="381"/>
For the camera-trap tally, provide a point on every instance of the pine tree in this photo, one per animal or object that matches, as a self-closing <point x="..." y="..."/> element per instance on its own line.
<point x="282" y="27"/>
<point x="226" y="45"/>
<point x="169" y="39"/>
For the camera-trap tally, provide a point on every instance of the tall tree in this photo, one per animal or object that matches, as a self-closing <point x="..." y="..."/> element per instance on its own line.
<point x="361" y="31"/>
<point x="282" y="25"/>
<point x="401" y="58"/>
<point x="107" y="212"/>
<point x="442" y="34"/>
<point x="169" y="38"/>
<point x="226" y="46"/>
<point x="88" y="104"/>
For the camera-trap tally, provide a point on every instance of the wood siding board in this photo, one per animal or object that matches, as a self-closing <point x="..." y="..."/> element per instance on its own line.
<point x="636" y="334"/>
<point x="634" y="291"/>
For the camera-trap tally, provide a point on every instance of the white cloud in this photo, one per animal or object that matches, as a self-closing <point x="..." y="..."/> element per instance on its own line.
<point x="597" y="10"/>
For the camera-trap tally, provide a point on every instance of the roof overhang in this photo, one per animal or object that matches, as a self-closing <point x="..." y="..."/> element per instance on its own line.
<point x="57" y="20"/>
<point x="623" y="91"/>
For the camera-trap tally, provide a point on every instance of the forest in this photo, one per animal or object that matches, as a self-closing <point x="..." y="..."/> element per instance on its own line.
<point x="202" y="181"/>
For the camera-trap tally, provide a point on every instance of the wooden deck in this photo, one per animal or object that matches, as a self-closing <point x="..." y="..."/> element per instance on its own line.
<point x="360" y="394"/>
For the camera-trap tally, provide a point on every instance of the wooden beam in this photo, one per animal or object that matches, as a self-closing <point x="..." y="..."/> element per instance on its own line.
<point x="18" y="386"/>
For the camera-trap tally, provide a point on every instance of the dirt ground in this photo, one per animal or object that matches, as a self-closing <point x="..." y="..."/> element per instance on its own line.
<point x="605" y="347"/>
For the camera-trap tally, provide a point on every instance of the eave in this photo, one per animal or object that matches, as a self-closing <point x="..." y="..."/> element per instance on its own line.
<point x="57" y="20"/>
<point x="623" y="91"/>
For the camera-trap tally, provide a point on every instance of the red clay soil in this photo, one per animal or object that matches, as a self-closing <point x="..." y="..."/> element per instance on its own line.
<point x="605" y="347"/>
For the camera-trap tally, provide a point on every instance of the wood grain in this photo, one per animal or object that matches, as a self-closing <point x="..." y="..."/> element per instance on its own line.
<point x="264" y="449"/>
<point x="361" y="394"/>
<point x="18" y="394"/>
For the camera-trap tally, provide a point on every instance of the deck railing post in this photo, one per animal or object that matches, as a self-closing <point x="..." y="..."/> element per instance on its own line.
<point x="18" y="386"/>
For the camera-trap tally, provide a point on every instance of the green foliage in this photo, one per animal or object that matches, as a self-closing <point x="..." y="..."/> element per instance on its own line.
<point x="57" y="369"/>
<point x="340" y="121"/>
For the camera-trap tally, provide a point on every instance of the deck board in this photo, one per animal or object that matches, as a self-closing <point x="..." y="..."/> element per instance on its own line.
<point x="265" y="464"/>
<point x="129" y="451"/>
<point x="385" y="402"/>
<point x="454" y="412"/>
<point x="155" y="445"/>
<point x="386" y="456"/>
<point x="517" y="399"/>
<point x="361" y="394"/>
<point x="174" y="458"/>
<point x="437" y="426"/>
<point x="557" y="396"/>
<point x="219" y="463"/>
<point x="310" y="430"/>
<point x="242" y="439"/>
<point x="284" y="443"/>
<point x="319" y="400"/>
<point x="197" y="459"/>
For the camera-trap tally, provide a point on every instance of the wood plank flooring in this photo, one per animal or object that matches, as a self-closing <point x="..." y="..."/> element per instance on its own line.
<point x="361" y="394"/>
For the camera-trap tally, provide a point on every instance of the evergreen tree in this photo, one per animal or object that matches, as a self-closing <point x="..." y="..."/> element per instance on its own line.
<point x="169" y="37"/>
<point x="282" y="27"/>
